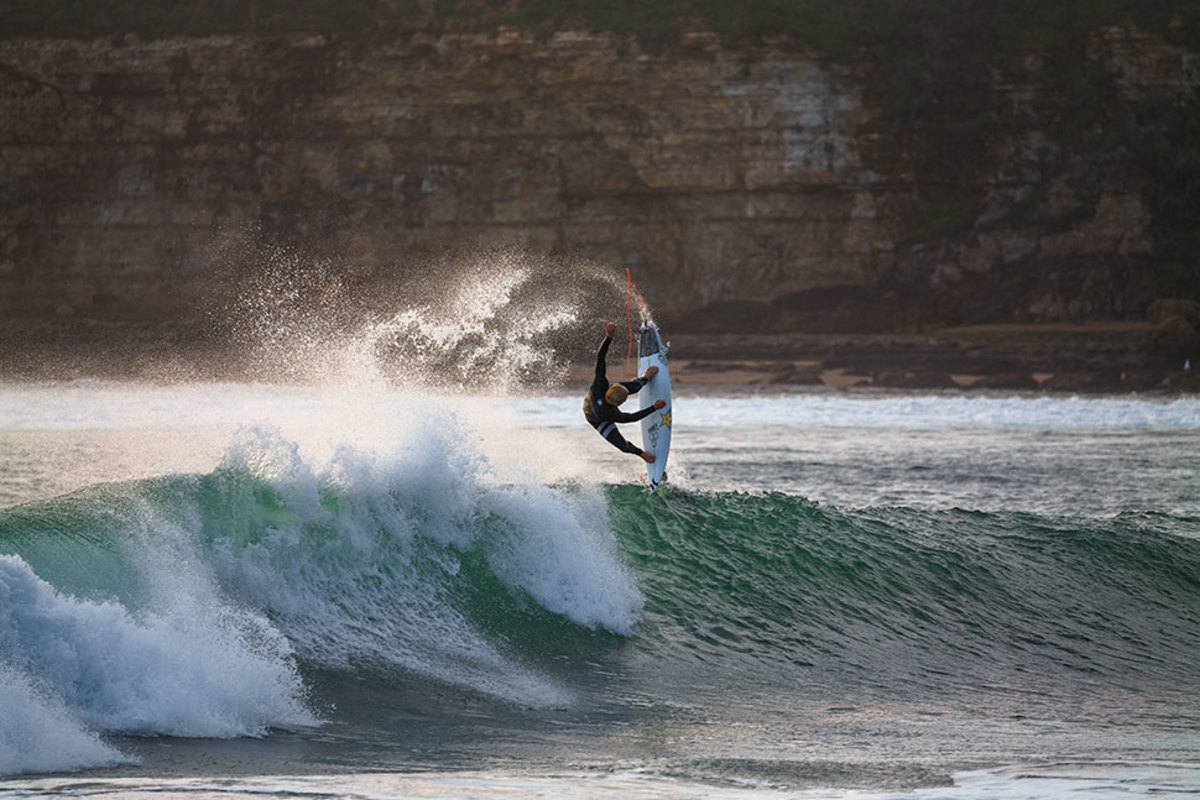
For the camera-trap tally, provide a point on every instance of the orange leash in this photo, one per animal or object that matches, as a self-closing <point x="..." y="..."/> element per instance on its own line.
<point x="629" y="317"/>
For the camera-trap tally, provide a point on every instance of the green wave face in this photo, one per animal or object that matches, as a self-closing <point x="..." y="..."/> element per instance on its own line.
<point x="522" y="591"/>
<point x="895" y="599"/>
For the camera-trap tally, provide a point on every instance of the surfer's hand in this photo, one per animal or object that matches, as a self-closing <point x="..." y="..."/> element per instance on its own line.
<point x="650" y="373"/>
<point x="660" y="404"/>
<point x="647" y="457"/>
<point x="610" y="328"/>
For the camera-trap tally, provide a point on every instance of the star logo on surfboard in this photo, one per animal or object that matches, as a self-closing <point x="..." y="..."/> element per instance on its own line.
<point x="666" y="418"/>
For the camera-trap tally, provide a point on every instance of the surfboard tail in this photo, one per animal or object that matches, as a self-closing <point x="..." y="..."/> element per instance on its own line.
<point x="649" y="344"/>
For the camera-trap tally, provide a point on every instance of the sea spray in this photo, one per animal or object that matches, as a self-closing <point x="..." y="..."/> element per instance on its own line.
<point x="481" y="318"/>
<point x="478" y="337"/>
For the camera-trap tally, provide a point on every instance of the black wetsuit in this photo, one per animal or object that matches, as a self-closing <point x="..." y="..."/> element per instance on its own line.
<point x="604" y="416"/>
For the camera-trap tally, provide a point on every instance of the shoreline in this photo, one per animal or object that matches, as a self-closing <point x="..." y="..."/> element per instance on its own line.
<point x="1088" y="358"/>
<point x="1104" y="358"/>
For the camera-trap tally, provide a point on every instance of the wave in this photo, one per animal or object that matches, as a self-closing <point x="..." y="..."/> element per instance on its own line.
<point x="194" y="605"/>
<point x="190" y="605"/>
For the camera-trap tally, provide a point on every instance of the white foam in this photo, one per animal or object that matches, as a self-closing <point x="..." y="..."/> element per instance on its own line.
<point x="89" y="405"/>
<point x="1091" y="780"/>
<point x="560" y="551"/>
<point x="186" y="669"/>
<point x="100" y="405"/>
<point x="827" y="409"/>
<point x="39" y="734"/>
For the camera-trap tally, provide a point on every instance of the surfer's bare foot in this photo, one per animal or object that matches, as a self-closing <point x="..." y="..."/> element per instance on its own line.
<point x="647" y="457"/>
<point x="650" y="373"/>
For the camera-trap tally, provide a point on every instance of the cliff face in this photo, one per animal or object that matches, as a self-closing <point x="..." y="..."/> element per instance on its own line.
<point x="747" y="189"/>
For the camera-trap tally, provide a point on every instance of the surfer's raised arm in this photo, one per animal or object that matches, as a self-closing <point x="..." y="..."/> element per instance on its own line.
<point x="610" y="328"/>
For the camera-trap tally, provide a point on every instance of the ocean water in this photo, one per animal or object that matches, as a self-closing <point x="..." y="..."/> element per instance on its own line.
<point x="231" y="590"/>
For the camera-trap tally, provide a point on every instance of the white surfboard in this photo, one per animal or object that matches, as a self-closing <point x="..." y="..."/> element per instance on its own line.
<point x="656" y="428"/>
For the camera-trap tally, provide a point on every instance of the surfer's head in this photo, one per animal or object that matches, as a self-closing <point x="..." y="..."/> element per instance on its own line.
<point x="616" y="395"/>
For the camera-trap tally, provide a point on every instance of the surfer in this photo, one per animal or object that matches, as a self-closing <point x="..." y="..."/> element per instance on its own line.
<point x="601" y="405"/>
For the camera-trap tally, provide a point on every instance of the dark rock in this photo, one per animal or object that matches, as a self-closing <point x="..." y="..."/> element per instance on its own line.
<point x="1174" y="339"/>
<point x="1163" y="309"/>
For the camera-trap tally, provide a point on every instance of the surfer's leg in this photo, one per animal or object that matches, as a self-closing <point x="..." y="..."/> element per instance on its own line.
<point x="609" y="431"/>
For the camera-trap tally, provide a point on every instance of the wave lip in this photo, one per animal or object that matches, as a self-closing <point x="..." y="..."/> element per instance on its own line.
<point x="405" y="560"/>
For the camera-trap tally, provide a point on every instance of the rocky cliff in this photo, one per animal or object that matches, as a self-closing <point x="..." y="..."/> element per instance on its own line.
<point x="759" y="188"/>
